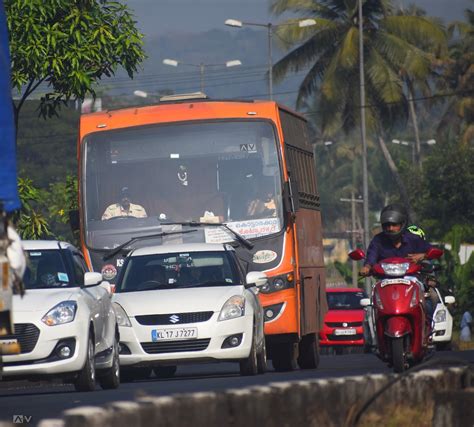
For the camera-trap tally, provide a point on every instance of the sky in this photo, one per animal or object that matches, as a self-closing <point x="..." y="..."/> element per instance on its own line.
<point x="158" y="17"/>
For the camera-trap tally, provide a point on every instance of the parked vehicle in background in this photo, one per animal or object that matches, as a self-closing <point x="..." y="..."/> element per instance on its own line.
<point x="188" y="303"/>
<point x="344" y="322"/>
<point x="248" y="164"/>
<point x="442" y="322"/>
<point x="65" y="323"/>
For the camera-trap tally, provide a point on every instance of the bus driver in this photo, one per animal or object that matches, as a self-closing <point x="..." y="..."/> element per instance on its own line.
<point x="124" y="208"/>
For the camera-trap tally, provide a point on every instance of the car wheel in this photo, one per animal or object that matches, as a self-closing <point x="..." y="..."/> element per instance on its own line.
<point x="110" y="379"/>
<point x="128" y="375"/>
<point x="309" y="352"/>
<point x="249" y="365"/>
<point x="85" y="380"/>
<point x="262" y="359"/>
<point x="283" y="357"/>
<point x="165" y="371"/>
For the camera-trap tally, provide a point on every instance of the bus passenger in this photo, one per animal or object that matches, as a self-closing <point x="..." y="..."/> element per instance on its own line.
<point x="124" y="208"/>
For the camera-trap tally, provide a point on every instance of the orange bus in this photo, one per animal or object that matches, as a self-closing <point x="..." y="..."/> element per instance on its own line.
<point x="248" y="164"/>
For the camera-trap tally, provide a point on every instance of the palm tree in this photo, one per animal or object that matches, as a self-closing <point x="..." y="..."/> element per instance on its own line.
<point x="459" y="78"/>
<point x="396" y="47"/>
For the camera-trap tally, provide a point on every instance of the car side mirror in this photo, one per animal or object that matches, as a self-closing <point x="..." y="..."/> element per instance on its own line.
<point x="256" y="278"/>
<point x="364" y="302"/>
<point x="92" y="278"/>
<point x="449" y="299"/>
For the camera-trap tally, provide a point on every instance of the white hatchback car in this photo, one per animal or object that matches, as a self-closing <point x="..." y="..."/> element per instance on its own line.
<point x="65" y="323"/>
<point x="188" y="303"/>
<point x="443" y="322"/>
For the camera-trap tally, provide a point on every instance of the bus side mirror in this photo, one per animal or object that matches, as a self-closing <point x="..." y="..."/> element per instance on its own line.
<point x="74" y="220"/>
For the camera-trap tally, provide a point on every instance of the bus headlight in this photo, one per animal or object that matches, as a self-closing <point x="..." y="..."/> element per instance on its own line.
<point x="278" y="283"/>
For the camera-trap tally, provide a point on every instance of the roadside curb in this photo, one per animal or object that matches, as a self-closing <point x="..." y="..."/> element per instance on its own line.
<point x="331" y="402"/>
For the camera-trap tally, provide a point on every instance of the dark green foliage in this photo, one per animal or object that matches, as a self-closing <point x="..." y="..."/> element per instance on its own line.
<point x="69" y="45"/>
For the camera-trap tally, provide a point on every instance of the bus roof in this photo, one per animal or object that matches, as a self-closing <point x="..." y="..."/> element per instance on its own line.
<point x="187" y="110"/>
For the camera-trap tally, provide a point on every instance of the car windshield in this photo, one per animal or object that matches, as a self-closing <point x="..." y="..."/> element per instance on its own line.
<point x="178" y="270"/>
<point x="137" y="178"/>
<point x="345" y="300"/>
<point x="46" y="269"/>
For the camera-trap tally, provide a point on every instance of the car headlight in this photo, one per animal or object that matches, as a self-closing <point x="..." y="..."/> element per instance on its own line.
<point x="122" y="318"/>
<point x="234" y="307"/>
<point x="395" y="269"/>
<point x="440" y="316"/>
<point x="64" y="312"/>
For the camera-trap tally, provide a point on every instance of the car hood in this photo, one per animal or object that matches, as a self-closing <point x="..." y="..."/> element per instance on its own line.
<point x="344" y="316"/>
<point x="41" y="299"/>
<point x="176" y="300"/>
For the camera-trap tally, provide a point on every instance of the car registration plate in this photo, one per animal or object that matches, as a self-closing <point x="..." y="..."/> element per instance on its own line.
<point x="8" y="341"/>
<point x="350" y="331"/>
<point x="173" y="334"/>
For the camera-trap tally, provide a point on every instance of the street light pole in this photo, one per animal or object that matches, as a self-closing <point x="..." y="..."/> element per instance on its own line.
<point x="301" y="23"/>
<point x="201" y="66"/>
<point x="365" y="180"/>
<point x="270" y="61"/>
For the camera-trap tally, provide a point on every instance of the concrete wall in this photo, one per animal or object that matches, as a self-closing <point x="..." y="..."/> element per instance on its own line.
<point x="333" y="402"/>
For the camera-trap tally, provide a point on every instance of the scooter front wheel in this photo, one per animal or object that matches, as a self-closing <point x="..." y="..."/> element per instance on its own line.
<point x="398" y="355"/>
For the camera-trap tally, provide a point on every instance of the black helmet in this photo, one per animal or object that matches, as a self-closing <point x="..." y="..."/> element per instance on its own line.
<point x="394" y="214"/>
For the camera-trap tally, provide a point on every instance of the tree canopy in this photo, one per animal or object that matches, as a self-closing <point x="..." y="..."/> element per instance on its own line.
<point x="69" y="45"/>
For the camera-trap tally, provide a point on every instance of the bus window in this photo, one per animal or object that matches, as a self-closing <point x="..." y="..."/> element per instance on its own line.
<point x="182" y="172"/>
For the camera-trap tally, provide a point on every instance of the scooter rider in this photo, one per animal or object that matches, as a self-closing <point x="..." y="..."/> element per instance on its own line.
<point x="395" y="240"/>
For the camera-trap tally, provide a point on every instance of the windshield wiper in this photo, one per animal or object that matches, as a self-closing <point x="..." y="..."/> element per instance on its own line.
<point x="248" y="244"/>
<point x="115" y="251"/>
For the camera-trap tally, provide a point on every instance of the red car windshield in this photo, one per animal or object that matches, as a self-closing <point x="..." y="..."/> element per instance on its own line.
<point x="345" y="300"/>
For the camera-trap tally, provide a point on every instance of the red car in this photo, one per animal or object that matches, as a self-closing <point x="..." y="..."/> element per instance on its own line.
<point x="344" y="322"/>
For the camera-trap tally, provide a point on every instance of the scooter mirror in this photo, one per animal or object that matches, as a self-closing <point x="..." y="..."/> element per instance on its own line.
<point x="364" y="302"/>
<point x="434" y="253"/>
<point x="449" y="299"/>
<point x="357" y="255"/>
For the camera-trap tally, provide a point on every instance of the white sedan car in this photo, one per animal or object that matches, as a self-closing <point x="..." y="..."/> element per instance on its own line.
<point x="65" y="323"/>
<point x="443" y="322"/>
<point x="188" y="303"/>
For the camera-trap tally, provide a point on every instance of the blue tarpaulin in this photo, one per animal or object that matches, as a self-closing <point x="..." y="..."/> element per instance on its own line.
<point x="8" y="177"/>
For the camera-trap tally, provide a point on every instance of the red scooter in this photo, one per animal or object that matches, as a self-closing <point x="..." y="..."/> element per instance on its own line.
<point x="402" y="329"/>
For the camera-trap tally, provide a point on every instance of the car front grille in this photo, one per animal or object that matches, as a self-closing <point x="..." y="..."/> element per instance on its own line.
<point x="341" y="325"/>
<point x="175" y="346"/>
<point x="332" y="337"/>
<point x="27" y="335"/>
<point x="174" y="318"/>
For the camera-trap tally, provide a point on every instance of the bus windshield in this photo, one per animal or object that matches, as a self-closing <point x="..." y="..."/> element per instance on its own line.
<point x="222" y="171"/>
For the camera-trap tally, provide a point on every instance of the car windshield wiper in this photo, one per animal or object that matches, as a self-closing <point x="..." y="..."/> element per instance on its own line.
<point x="115" y="251"/>
<point x="248" y="244"/>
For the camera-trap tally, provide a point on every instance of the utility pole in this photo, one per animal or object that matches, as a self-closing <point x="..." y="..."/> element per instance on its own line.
<point x="353" y="232"/>
<point x="365" y="179"/>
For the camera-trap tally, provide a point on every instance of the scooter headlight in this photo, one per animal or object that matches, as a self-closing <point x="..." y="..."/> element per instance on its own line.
<point x="395" y="269"/>
<point x="440" y="316"/>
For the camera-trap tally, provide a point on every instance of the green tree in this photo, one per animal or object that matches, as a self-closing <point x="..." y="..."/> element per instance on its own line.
<point x="396" y="47"/>
<point x="447" y="199"/>
<point x="69" y="45"/>
<point x="458" y="76"/>
<point x="30" y="221"/>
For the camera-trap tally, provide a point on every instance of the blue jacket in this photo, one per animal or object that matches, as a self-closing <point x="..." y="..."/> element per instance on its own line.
<point x="382" y="247"/>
